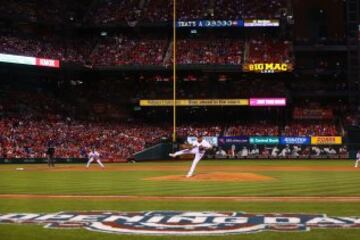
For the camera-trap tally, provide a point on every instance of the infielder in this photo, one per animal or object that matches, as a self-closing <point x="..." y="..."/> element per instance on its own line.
<point x="199" y="148"/>
<point x="357" y="159"/>
<point x="94" y="156"/>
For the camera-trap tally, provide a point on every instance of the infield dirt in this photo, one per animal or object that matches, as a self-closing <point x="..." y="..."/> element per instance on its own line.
<point x="215" y="177"/>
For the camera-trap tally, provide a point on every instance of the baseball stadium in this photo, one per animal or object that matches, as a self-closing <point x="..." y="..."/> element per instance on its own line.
<point x="179" y="119"/>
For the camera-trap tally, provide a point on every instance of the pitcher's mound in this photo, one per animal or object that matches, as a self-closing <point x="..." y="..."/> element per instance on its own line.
<point x="216" y="177"/>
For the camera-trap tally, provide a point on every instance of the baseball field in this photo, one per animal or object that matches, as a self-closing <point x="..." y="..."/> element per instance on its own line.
<point x="330" y="187"/>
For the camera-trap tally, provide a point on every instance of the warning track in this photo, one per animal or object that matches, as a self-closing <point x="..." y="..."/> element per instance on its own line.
<point x="189" y="198"/>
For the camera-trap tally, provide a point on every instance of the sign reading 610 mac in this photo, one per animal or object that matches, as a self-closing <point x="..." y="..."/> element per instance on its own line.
<point x="268" y="67"/>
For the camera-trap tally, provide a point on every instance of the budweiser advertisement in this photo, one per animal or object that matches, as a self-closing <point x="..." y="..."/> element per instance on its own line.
<point x="34" y="61"/>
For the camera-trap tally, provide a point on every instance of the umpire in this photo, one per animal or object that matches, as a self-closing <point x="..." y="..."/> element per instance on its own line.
<point x="50" y="154"/>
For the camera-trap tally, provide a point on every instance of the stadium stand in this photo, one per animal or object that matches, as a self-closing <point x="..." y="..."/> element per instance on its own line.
<point x="80" y="112"/>
<point x="123" y="50"/>
<point x="215" y="51"/>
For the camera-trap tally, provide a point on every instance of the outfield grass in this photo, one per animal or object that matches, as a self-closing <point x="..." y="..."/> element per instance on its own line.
<point x="288" y="183"/>
<point x="297" y="183"/>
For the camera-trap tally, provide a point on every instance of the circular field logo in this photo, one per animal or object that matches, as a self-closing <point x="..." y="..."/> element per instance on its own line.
<point x="181" y="223"/>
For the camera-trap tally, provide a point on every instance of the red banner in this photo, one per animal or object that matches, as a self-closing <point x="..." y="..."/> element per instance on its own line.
<point x="43" y="62"/>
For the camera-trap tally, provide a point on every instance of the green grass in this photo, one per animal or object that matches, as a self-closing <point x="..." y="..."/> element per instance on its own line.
<point x="314" y="183"/>
<point x="34" y="232"/>
<point x="15" y="232"/>
<point x="307" y="183"/>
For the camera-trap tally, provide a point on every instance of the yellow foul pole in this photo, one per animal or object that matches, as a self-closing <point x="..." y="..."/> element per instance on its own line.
<point x="174" y="71"/>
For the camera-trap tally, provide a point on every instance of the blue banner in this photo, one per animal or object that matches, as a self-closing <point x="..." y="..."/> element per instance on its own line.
<point x="212" y="140"/>
<point x="295" y="140"/>
<point x="233" y="140"/>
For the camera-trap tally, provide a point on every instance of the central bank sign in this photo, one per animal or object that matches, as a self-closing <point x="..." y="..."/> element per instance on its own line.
<point x="181" y="223"/>
<point x="264" y="140"/>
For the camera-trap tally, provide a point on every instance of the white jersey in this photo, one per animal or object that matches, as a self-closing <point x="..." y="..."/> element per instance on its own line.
<point x="244" y="152"/>
<point x="205" y="144"/>
<point x="274" y="152"/>
<point x="358" y="156"/>
<point x="94" y="155"/>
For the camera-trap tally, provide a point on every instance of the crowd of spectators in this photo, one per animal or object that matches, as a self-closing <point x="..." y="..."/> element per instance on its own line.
<point x="115" y="11"/>
<point x="50" y="11"/>
<point x="269" y="51"/>
<point x="198" y="9"/>
<point x="116" y="142"/>
<point x="253" y="129"/>
<point x="205" y="129"/>
<point x="122" y="50"/>
<point x="216" y="51"/>
<point x="29" y="138"/>
<point x="105" y="12"/>
<point x="158" y="11"/>
<point x="45" y="47"/>
<point x="241" y="9"/>
<point x="298" y="128"/>
<point x="132" y="49"/>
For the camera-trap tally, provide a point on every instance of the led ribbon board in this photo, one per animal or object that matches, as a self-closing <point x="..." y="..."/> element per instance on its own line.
<point x="261" y="23"/>
<point x="194" y="102"/>
<point x="33" y="61"/>
<point x="267" y="102"/>
<point x="221" y="23"/>
<point x="210" y="23"/>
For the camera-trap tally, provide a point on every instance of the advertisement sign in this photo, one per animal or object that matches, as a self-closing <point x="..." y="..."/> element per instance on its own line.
<point x="295" y="140"/>
<point x="264" y="140"/>
<point x="267" y="67"/>
<point x="267" y="102"/>
<point x="326" y="140"/>
<point x="212" y="140"/>
<point x="194" y="102"/>
<point x="261" y="23"/>
<point x="222" y="141"/>
<point x="228" y="23"/>
<point x="210" y="23"/>
<point x="42" y="62"/>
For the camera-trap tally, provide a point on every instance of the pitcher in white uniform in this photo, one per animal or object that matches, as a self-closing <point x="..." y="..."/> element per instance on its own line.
<point x="94" y="156"/>
<point x="199" y="148"/>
